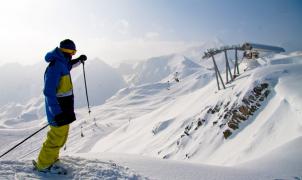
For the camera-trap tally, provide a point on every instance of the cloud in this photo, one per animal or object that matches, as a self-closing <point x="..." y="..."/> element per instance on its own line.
<point x="133" y="49"/>
<point x="122" y="26"/>
<point x="152" y="35"/>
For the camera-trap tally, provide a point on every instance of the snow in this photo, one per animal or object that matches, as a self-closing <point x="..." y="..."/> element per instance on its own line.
<point x="159" y="68"/>
<point x="282" y="163"/>
<point x="157" y="133"/>
<point x="77" y="168"/>
<point x="284" y="160"/>
<point x="149" y="126"/>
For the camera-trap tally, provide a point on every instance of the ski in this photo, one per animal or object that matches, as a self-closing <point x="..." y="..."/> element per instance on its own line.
<point x="53" y="169"/>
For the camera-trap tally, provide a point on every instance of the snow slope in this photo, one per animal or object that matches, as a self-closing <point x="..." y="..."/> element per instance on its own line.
<point x="182" y="130"/>
<point x="172" y="131"/>
<point x="78" y="168"/>
<point x="124" y="166"/>
<point x="282" y="163"/>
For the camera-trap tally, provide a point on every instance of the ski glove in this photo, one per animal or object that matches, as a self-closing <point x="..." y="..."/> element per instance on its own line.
<point x="82" y="58"/>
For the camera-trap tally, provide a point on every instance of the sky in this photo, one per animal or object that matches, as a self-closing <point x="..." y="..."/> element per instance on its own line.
<point x="124" y="30"/>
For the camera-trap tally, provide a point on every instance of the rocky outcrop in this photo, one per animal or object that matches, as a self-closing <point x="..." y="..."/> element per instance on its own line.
<point x="244" y="110"/>
<point x="231" y="115"/>
<point x="228" y="116"/>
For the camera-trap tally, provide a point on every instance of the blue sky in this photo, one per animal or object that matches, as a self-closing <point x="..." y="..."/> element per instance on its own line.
<point x="118" y="30"/>
<point x="272" y="21"/>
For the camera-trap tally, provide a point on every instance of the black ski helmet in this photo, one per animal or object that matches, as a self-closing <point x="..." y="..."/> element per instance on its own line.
<point x="68" y="44"/>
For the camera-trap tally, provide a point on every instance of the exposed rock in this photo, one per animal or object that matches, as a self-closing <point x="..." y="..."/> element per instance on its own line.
<point x="266" y="93"/>
<point x="221" y="125"/>
<point x="264" y="85"/>
<point x="238" y="117"/>
<point x="217" y="108"/>
<point x="165" y="156"/>
<point x="227" y="104"/>
<point x="251" y="98"/>
<point x="187" y="156"/>
<point x="233" y="125"/>
<point x="254" y="108"/>
<point x="227" y="133"/>
<point x="245" y="101"/>
<point x="241" y="117"/>
<point x="244" y="110"/>
<point x="226" y="116"/>
<point x="199" y="123"/>
<point x="257" y="90"/>
<point x="235" y="113"/>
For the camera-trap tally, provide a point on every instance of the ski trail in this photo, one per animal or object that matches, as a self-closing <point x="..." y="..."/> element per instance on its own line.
<point x="78" y="168"/>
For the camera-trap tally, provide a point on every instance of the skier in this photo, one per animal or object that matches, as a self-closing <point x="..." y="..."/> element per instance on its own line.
<point x="59" y="103"/>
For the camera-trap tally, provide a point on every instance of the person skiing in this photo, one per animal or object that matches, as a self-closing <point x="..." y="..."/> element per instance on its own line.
<point x="59" y="103"/>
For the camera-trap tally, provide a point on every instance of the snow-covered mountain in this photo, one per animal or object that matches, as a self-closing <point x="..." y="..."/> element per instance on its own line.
<point x="251" y="114"/>
<point x="159" y="68"/>
<point x="187" y="129"/>
<point x="165" y="68"/>
<point x="103" y="81"/>
<point x="20" y="83"/>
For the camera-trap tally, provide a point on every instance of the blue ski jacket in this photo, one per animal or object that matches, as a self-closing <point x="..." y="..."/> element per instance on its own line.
<point x="58" y="89"/>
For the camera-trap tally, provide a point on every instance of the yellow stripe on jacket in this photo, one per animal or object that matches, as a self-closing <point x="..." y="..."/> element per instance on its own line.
<point x="65" y="86"/>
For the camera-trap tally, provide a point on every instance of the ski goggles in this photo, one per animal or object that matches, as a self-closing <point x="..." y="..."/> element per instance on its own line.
<point x="69" y="51"/>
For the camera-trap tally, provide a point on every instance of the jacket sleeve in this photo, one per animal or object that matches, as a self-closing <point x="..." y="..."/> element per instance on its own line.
<point x="51" y="82"/>
<point x="74" y="63"/>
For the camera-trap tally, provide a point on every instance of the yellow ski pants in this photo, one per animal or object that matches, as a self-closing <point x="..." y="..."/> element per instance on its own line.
<point x="56" y="138"/>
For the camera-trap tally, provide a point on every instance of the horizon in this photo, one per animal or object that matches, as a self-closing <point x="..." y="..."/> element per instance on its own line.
<point x="119" y="31"/>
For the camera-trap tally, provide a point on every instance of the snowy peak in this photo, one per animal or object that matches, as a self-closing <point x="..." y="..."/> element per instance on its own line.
<point x="165" y="68"/>
<point x="103" y="81"/>
<point x="158" y="68"/>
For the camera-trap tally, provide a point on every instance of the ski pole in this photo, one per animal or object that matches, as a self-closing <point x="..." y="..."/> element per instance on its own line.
<point x="86" y="88"/>
<point x="23" y="141"/>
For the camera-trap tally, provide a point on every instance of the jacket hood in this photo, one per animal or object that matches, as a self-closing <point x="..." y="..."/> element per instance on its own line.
<point x="54" y="55"/>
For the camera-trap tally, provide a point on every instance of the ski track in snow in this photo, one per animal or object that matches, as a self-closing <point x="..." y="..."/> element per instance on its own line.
<point x="78" y="168"/>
